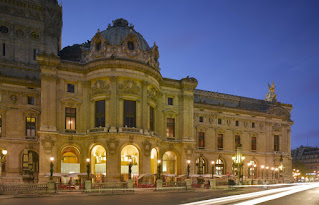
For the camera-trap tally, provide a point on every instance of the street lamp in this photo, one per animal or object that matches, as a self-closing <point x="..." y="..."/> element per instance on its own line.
<point x="213" y="169"/>
<point x="262" y="171"/>
<point x="3" y="155"/>
<point x="51" y="168"/>
<point x="238" y="161"/>
<point x="88" y="167"/>
<point x="188" y="167"/>
<point x="272" y="173"/>
<point x="129" y="168"/>
<point x="159" y="169"/>
<point x="267" y="172"/>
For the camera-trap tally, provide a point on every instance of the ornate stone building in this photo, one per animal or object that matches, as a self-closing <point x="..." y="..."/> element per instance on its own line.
<point x="106" y="100"/>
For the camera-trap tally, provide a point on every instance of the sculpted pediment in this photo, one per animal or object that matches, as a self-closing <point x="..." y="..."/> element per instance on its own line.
<point x="129" y="87"/>
<point x="170" y="113"/>
<point x="71" y="100"/>
<point x="100" y="87"/>
<point x="278" y="111"/>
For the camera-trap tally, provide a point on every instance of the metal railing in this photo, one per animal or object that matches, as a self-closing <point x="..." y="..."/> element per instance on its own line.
<point x="24" y="189"/>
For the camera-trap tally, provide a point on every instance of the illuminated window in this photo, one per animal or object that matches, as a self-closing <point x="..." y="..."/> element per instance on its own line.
<point x="220" y="141"/>
<point x="201" y="140"/>
<point x="100" y="113"/>
<point x="30" y="126"/>
<point x="129" y="113"/>
<point x="70" y="116"/>
<point x="220" y="167"/>
<point x="170" y="128"/>
<point x="152" y="118"/>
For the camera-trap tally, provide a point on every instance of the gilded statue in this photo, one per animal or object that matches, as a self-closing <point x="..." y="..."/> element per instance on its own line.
<point x="271" y="96"/>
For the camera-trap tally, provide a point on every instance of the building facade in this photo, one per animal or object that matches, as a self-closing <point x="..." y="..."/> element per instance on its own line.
<point x="309" y="156"/>
<point x="106" y="101"/>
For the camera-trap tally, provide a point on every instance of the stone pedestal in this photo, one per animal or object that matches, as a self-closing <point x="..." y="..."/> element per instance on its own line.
<point x="212" y="183"/>
<point x="88" y="185"/>
<point x="159" y="183"/>
<point x="130" y="183"/>
<point x="188" y="183"/>
<point x="51" y="186"/>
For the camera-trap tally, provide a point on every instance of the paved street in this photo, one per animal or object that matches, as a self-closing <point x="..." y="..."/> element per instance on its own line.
<point x="247" y="196"/>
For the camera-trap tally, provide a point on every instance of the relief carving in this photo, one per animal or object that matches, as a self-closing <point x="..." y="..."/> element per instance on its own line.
<point x="112" y="145"/>
<point x="100" y="87"/>
<point x="276" y="127"/>
<point x="129" y="87"/>
<point x="147" y="148"/>
<point x="152" y="94"/>
<point x="47" y="144"/>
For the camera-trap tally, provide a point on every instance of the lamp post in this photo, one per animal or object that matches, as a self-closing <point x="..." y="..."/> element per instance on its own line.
<point x="213" y="169"/>
<point x="297" y="174"/>
<point x="51" y="168"/>
<point x="188" y="167"/>
<point x="262" y="171"/>
<point x="267" y="172"/>
<point x="159" y="169"/>
<point x="130" y="168"/>
<point x="88" y="165"/>
<point x="272" y="173"/>
<point x="3" y="155"/>
<point x="238" y="161"/>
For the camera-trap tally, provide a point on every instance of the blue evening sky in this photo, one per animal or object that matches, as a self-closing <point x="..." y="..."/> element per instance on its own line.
<point x="234" y="47"/>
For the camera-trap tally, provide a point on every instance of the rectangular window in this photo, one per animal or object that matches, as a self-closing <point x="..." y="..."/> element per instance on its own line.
<point x="0" y="125"/>
<point x="100" y="113"/>
<point x="253" y="125"/>
<point x="253" y="144"/>
<point x="237" y="141"/>
<point x="170" y="101"/>
<point x="201" y="119"/>
<point x="220" y="142"/>
<point x="30" y="126"/>
<point x="237" y="123"/>
<point x="3" y="49"/>
<point x="70" y="88"/>
<point x="70" y="116"/>
<point x="201" y="140"/>
<point x="152" y="118"/>
<point x="34" y="54"/>
<point x="129" y="113"/>
<point x="219" y="121"/>
<point x="170" y="128"/>
<point x="30" y="100"/>
<point x="276" y="142"/>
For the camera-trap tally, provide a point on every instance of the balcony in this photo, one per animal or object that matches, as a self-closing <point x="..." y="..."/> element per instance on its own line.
<point x="131" y="130"/>
<point x="98" y="129"/>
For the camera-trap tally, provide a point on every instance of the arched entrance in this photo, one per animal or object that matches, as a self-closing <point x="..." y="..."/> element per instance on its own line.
<point x="30" y="166"/>
<point x="70" y="162"/>
<point x="154" y="159"/>
<point x="169" y="165"/>
<point x="252" y="169"/>
<point x="129" y="154"/>
<point x="98" y="163"/>
<point x="220" y="167"/>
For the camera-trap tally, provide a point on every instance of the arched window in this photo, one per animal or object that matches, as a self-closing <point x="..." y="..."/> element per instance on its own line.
<point x="169" y="163"/>
<point x="154" y="161"/>
<point x="70" y="162"/>
<point x="220" y="167"/>
<point x="129" y="155"/>
<point x="98" y="162"/>
<point x="252" y="169"/>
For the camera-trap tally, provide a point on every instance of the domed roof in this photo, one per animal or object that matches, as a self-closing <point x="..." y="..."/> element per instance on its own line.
<point x="114" y="34"/>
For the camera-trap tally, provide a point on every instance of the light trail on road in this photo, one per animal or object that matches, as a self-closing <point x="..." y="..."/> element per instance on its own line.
<point x="283" y="192"/>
